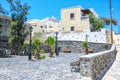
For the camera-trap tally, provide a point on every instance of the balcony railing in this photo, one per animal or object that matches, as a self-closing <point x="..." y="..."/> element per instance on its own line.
<point x="84" y="17"/>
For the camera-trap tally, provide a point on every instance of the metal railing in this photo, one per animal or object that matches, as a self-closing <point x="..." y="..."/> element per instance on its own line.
<point x="84" y="17"/>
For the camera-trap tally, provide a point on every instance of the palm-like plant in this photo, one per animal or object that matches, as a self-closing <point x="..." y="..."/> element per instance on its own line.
<point x="36" y="45"/>
<point x="96" y="23"/>
<point x="50" y="41"/>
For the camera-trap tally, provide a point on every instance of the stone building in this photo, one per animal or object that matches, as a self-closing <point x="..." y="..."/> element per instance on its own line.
<point x="76" y="18"/>
<point x="116" y="38"/>
<point x="46" y="25"/>
<point x="5" y="27"/>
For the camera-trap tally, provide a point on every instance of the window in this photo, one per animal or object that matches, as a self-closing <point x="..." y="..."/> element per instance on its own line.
<point x="41" y="26"/>
<point x="62" y="29"/>
<point x="72" y="28"/>
<point x="50" y="26"/>
<point x="71" y="16"/>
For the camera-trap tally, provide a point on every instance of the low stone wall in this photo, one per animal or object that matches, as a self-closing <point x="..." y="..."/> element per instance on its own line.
<point x="76" y="46"/>
<point x="4" y="45"/>
<point x="95" y="65"/>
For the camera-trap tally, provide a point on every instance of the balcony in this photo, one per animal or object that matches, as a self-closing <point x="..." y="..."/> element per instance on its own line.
<point x="84" y="17"/>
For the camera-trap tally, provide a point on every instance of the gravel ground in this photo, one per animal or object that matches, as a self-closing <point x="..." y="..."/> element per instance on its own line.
<point x="57" y="68"/>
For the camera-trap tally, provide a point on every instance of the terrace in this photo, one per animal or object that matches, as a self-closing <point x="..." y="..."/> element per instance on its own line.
<point x="92" y="66"/>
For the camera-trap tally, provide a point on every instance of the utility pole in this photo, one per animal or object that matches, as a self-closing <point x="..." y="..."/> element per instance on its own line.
<point x="111" y="29"/>
<point x="118" y="29"/>
<point x="30" y="55"/>
<point x="56" y="47"/>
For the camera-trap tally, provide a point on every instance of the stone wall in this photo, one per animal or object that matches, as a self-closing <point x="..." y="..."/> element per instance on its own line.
<point x="82" y="36"/>
<point x="4" y="45"/>
<point x="76" y="46"/>
<point x="95" y="65"/>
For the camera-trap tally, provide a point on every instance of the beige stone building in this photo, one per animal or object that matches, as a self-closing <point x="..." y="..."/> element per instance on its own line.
<point x="76" y="19"/>
<point x="116" y="38"/>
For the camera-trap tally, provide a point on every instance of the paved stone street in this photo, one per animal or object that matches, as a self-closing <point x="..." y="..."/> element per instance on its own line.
<point x="58" y="68"/>
<point x="114" y="71"/>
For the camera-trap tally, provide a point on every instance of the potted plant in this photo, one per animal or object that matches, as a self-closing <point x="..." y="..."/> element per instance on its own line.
<point x="51" y="41"/>
<point x="42" y="54"/>
<point x="36" y="46"/>
<point x="106" y="46"/>
<point x="85" y="46"/>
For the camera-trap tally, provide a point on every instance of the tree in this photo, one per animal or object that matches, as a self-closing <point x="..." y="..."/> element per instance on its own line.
<point x="110" y="22"/>
<point x="50" y="41"/>
<point x="2" y="10"/>
<point x="18" y="16"/>
<point x="96" y="23"/>
<point x="36" y="46"/>
<point x="107" y="21"/>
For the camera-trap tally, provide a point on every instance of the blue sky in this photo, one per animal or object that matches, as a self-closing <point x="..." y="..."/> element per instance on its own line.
<point x="47" y="8"/>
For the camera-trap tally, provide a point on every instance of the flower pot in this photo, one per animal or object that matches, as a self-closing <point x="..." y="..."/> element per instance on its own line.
<point x="85" y="50"/>
<point x="51" y="52"/>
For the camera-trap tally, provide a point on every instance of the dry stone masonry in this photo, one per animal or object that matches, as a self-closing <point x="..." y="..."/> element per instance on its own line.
<point x="95" y="65"/>
<point x="76" y="46"/>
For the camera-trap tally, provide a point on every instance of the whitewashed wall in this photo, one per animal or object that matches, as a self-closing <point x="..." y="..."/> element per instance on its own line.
<point x="99" y="37"/>
<point x="116" y="39"/>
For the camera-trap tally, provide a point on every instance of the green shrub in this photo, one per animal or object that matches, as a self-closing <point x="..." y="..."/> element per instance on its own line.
<point x="42" y="56"/>
<point x="85" y="44"/>
<point x="42" y="51"/>
<point x="50" y="42"/>
<point x="36" y="47"/>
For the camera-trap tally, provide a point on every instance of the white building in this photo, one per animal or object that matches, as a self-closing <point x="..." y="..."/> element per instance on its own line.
<point x="46" y="25"/>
